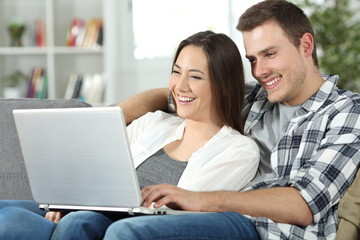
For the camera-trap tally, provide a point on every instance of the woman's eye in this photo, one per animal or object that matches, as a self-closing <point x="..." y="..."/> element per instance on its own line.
<point x="196" y="77"/>
<point x="175" y="72"/>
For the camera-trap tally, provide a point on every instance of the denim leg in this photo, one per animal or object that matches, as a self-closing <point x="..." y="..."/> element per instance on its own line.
<point x="225" y="225"/>
<point x="81" y="225"/>
<point x="19" y="223"/>
<point x="30" y="205"/>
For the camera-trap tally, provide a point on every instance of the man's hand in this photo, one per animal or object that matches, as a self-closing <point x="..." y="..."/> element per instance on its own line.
<point x="54" y="216"/>
<point x="171" y="196"/>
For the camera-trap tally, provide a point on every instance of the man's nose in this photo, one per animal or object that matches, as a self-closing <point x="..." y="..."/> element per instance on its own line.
<point x="260" y="69"/>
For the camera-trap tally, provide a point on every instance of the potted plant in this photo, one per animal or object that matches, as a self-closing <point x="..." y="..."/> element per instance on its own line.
<point x="14" y="85"/>
<point x="337" y="36"/>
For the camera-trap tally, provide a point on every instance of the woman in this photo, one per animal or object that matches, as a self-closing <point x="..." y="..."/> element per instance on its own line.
<point x="202" y="148"/>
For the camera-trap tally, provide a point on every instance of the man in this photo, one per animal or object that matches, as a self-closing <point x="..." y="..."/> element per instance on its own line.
<point x="307" y="130"/>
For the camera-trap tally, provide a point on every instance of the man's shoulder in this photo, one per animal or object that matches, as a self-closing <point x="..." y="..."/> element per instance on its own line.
<point x="330" y="98"/>
<point x="341" y="108"/>
<point x="353" y="96"/>
<point x="344" y="97"/>
<point x="336" y="94"/>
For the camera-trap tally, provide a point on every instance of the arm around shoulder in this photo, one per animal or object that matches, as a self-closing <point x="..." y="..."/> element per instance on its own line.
<point x="141" y="103"/>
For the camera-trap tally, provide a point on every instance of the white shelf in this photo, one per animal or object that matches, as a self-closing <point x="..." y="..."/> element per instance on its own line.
<point x="77" y="50"/>
<point x="48" y="50"/>
<point x="22" y="51"/>
<point x="58" y="60"/>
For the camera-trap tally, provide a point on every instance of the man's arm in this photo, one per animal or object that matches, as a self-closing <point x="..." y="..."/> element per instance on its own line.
<point x="283" y="204"/>
<point x="148" y="101"/>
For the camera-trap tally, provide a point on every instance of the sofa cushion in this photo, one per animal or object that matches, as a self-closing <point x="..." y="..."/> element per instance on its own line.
<point x="13" y="178"/>
<point x="349" y="212"/>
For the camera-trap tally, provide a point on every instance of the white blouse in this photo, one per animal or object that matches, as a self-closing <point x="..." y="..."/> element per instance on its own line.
<point x="228" y="161"/>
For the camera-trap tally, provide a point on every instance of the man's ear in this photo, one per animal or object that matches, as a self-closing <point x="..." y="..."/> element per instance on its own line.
<point x="307" y="44"/>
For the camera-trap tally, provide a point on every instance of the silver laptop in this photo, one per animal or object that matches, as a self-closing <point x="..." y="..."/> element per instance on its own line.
<point x="79" y="159"/>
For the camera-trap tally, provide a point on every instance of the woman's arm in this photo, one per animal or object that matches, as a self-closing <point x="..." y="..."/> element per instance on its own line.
<point x="148" y="101"/>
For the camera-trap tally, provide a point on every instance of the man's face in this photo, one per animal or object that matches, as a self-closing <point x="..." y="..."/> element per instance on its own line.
<point x="276" y="63"/>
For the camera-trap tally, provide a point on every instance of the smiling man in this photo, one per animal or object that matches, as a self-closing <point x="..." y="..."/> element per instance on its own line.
<point x="280" y="67"/>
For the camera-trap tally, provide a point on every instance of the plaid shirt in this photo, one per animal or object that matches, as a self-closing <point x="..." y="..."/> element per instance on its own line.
<point x="319" y="155"/>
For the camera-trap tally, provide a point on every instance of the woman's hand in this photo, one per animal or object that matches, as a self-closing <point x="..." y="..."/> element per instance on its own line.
<point x="54" y="216"/>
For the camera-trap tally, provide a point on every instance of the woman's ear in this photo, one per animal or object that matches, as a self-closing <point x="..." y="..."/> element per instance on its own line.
<point x="307" y="44"/>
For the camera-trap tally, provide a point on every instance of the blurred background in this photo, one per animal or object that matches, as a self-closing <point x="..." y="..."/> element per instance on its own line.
<point x="43" y="43"/>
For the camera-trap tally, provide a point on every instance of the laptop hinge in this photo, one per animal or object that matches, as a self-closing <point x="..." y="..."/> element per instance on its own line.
<point x="44" y="207"/>
<point x="130" y="211"/>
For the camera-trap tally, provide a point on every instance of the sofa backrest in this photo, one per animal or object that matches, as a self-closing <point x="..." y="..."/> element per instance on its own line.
<point x="13" y="178"/>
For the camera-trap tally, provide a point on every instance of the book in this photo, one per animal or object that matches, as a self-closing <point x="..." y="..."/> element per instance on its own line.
<point x="37" y="86"/>
<point x="86" y="87"/>
<point x="81" y="33"/>
<point x="70" y="86"/>
<point x="29" y="88"/>
<point x="40" y="33"/>
<point x="74" y="30"/>
<point x="41" y="92"/>
<point x="93" y="29"/>
<point x="77" y="87"/>
<point x="99" y="41"/>
<point x="95" y="93"/>
<point x="86" y="34"/>
<point x="35" y="78"/>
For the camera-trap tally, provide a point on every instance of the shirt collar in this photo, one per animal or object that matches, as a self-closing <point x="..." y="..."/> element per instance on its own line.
<point x="318" y="99"/>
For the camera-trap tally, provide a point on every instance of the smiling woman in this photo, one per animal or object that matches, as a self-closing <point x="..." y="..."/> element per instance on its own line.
<point x="208" y="68"/>
<point x="190" y="85"/>
<point x="201" y="149"/>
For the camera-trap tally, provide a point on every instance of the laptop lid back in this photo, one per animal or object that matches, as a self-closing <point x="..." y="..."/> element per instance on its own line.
<point x="78" y="156"/>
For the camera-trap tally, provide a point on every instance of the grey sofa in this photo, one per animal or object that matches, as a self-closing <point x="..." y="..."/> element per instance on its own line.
<point x="13" y="178"/>
<point x="14" y="182"/>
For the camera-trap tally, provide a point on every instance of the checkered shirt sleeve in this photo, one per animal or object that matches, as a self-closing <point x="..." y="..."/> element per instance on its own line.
<point x="319" y="155"/>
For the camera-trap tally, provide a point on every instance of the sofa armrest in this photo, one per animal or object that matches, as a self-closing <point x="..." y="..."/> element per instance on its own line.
<point x="349" y="212"/>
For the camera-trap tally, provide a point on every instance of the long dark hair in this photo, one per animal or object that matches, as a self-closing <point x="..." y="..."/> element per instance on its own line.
<point x="226" y="74"/>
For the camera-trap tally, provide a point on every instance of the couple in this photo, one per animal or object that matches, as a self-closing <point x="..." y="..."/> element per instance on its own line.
<point x="307" y="131"/>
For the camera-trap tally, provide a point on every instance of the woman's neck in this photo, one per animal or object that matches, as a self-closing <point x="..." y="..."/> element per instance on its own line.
<point x="196" y="135"/>
<point x="203" y="130"/>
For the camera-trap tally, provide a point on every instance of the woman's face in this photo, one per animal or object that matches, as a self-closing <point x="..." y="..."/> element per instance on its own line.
<point x="191" y="86"/>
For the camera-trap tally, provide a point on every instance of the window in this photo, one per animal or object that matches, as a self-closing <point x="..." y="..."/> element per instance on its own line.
<point x="160" y="25"/>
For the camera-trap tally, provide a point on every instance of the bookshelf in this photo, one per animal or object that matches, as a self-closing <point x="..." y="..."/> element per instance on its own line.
<point x="58" y="60"/>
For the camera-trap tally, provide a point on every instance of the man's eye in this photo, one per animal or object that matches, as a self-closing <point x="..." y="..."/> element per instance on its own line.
<point x="269" y="54"/>
<point x="252" y="60"/>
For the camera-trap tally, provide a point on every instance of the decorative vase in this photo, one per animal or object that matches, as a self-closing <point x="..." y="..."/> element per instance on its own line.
<point x="16" y="31"/>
